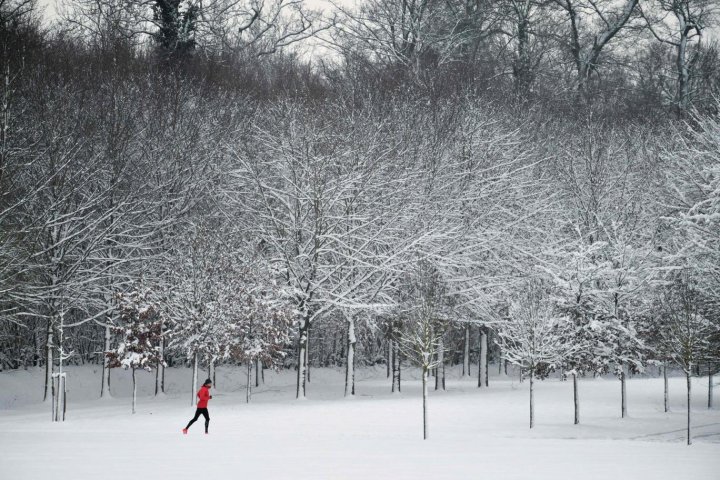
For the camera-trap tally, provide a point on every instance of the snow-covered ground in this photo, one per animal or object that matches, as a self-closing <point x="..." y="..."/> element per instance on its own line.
<point x="474" y="433"/>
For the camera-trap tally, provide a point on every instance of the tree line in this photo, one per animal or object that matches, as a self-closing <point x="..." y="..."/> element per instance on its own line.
<point x="182" y="184"/>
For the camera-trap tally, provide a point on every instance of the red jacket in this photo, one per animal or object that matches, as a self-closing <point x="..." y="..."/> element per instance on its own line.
<point x="203" y="395"/>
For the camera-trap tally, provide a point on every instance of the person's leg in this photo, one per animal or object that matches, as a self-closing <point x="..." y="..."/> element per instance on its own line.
<point x="206" y="414"/>
<point x="194" y="419"/>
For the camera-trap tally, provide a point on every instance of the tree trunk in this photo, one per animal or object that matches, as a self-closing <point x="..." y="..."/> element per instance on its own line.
<point x="466" y="353"/>
<point x="211" y="372"/>
<point x="442" y="365"/>
<point x="160" y="371"/>
<point x="350" y="364"/>
<point x="396" y="367"/>
<point x="576" y="399"/>
<point x="258" y="367"/>
<point x="689" y="433"/>
<point x="64" y="397"/>
<point x="623" y="394"/>
<point x="105" y="385"/>
<point x="532" y="397"/>
<point x="336" y="340"/>
<point x="53" y="407"/>
<point x="249" y="379"/>
<point x="500" y="360"/>
<point x="425" y="401"/>
<point x="483" y="373"/>
<point x="683" y="78"/>
<point x="440" y="379"/>
<point x="194" y="379"/>
<point x="665" y="387"/>
<point x="134" y="391"/>
<point x="710" y="388"/>
<point x="522" y="67"/>
<point x="389" y="360"/>
<point x="49" y="361"/>
<point x="484" y="345"/>
<point x="307" y="354"/>
<point x="302" y="361"/>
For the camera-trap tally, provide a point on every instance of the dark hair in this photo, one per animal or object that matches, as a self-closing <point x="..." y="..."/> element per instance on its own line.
<point x="208" y="381"/>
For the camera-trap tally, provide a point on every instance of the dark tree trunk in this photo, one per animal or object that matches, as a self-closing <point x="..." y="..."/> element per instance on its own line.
<point x="576" y="399"/>
<point x="665" y="387"/>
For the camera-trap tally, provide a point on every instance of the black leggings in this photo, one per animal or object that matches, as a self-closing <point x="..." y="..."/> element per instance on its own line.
<point x="198" y="412"/>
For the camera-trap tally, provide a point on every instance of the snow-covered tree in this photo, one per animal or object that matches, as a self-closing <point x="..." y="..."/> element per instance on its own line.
<point x="199" y="326"/>
<point x="138" y="333"/>
<point x="424" y="307"/>
<point x="687" y="328"/>
<point x="260" y="317"/>
<point x="533" y="335"/>
<point x="321" y="201"/>
<point x="692" y="202"/>
<point x="580" y="283"/>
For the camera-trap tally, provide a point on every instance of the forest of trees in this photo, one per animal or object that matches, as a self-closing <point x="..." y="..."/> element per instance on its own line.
<point x="419" y="182"/>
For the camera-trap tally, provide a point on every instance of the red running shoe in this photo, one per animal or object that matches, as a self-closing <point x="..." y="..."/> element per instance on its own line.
<point x="184" y="431"/>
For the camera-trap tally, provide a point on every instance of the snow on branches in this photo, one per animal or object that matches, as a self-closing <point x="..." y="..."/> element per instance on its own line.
<point x="139" y="332"/>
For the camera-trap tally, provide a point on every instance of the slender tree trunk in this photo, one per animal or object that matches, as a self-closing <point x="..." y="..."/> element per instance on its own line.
<point x="160" y="371"/>
<point x="396" y="367"/>
<point x="484" y="345"/>
<point x="466" y="353"/>
<point x="38" y="356"/>
<point x="302" y="361"/>
<point x="576" y="399"/>
<point x="49" y="361"/>
<point x="134" y="391"/>
<point x="689" y="409"/>
<point x="710" y="388"/>
<point x="350" y="364"/>
<point x="532" y="397"/>
<point x="194" y="379"/>
<point x="307" y="354"/>
<point x="442" y="365"/>
<point x="623" y="394"/>
<point x="249" y="379"/>
<point x="211" y="371"/>
<point x="425" y="402"/>
<point x="105" y="386"/>
<point x="500" y="360"/>
<point x="483" y="373"/>
<point x="389" y="360"/>
<point x="336" y="340"/>
<point x="665" y="387"/>
<point x="64" y="397"/>
<point x="258" y="367"/>
<point x="683" y="78"/>
<point x="162" y="368"/>
<point x="440" y="379"/>
<point x="53" y="408"/>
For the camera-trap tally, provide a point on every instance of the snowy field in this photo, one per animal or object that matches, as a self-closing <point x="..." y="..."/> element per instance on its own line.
<point x="474" y="433"/>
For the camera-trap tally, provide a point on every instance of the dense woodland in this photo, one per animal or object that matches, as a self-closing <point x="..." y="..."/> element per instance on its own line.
<point x="418" y="183"/>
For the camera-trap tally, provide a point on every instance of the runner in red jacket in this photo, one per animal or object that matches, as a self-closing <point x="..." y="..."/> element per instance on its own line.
<point x="203" y="396"/>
